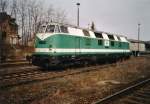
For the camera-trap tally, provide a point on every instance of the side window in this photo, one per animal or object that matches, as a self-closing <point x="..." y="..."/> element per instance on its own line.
<point x="64" y="29"/>
<point x="42" y="29"/>
<point x="112" y="43"/>
<point x="98" y="35"/>
<point x="119" y="44"/>
<point x="50" y="46"/>
<point x="88" y="41"/>
<point x="111" y="37"/>
<point x="50" y="28"/>
<point x="86" y="33"/>
<point x="100" y="42"/>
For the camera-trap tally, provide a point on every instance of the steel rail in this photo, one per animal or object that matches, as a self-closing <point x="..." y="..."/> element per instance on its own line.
<point x="55" y="76"/>
<point x="119" y="93"/>
<point x="25" y="79"/>
<point x="17" y="70"/>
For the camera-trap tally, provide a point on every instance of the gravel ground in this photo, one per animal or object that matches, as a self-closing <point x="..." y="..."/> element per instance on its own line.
<point x="83" y="88"/>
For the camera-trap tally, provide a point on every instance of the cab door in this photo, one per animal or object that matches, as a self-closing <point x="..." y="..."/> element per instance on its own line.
<point x="77" y="46"/>
<point x="106" y="43"/>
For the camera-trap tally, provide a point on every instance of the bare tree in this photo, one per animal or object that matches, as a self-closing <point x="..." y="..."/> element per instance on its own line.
<point x="50" y="14"/>
<point x="29" y="24"/>
<point x="56" y="15"/>
<point x="60" y="16"/>
<point x="14" y="9"/>
<point x="3" y="5"/>
<point x="30" y="14"/>
<point x="36" y="15"/>
<point x="22" y="17"/>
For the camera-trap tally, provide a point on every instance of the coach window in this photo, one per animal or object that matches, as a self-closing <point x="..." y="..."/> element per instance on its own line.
<point x="98" y="35"/>
<point x="64" y="29"/>
<point x="100" y="42"/>
<point x="50" y="28"/>
<point x="86" y="33"/>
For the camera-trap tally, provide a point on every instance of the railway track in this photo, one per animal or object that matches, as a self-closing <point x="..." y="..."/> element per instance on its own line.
<point x="17" y="69"/>
<point x="138" y="93"/>
<point x="19" y="74"/>
<point x="14" y="63"/>
<point x="11" y="72"/>
<point x="142" y="96"/>
<point x="29" y="78"/>
<point x="34" y="76"/>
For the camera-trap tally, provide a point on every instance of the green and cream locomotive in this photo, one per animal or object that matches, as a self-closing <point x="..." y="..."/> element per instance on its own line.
<point x="58" y="44"/>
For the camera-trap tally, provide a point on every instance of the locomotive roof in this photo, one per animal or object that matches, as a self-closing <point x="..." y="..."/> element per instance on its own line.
<point x="73" y="26"/>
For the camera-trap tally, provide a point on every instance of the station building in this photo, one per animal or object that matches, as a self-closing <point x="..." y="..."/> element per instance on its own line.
<point x="9" y="37"/>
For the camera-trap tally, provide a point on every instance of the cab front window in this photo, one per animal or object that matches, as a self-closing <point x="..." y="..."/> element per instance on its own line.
<point x="64" y="29"/>
<point x="50" y="28"/>
<point x="42" y="29"/>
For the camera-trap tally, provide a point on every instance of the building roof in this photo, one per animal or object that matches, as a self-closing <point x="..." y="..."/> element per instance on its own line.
<point x="140" y="41"/>
<point x="4" y="16"/>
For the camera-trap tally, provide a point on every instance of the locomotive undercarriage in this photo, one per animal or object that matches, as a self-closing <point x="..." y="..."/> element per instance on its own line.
<point x="69" y="60"/>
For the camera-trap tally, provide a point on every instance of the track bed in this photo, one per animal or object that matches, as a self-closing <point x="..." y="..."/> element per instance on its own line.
<point x="76" y="86"/>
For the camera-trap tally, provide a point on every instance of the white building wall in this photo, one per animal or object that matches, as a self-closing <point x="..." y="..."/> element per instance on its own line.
<point x="134" y="47"/>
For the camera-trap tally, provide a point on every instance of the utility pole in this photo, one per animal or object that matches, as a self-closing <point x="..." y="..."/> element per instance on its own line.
<point x="78" y="4"/>
<point x="138" y="36"/>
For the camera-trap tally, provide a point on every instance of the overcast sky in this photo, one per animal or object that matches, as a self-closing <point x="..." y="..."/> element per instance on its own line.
<point x="115" y="16"/>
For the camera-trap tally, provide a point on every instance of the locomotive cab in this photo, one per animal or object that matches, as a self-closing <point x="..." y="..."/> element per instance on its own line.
<point x="52" y="29"/>
<point x="46" y="43"/>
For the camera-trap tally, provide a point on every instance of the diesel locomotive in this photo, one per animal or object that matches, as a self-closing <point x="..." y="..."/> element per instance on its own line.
<point x="59" y="44"/>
